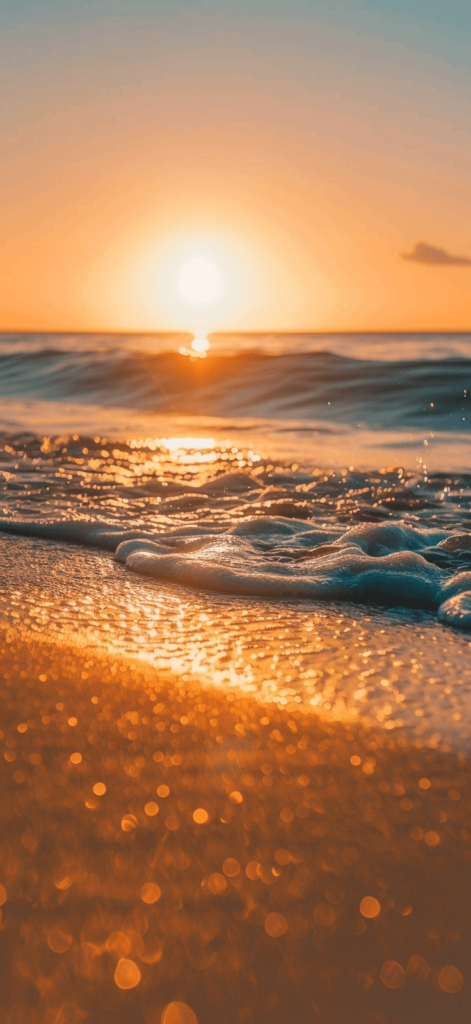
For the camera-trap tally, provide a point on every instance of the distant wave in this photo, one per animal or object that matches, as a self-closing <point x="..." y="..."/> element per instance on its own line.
<point x="417" y="393"/>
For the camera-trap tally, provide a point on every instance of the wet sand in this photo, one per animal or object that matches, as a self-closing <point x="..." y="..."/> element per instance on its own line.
<point x="167" y="843"/>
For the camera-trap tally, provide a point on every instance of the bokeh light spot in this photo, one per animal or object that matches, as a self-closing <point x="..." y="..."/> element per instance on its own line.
<point x="450" y="979"/>
<point x="369" y="907"/>
<point x="99" y="789"/>
<point x="151" y="809"/>
<point x="200" y="816"/>
<point x="152" y="952"/>
<point x="275" y="925"/>
<point x="150" y="892"/>
<point x="128" y="822"/>
<point x="282" y="856"/>
<point x="127" y="974"/>
<point x="418" y="969"/>
<point x="217" y="883"/>
<point x="416" y="833"/>
<point x="178" y="1013"/>
<point x="392" y="974"/>
<point x="76" y="758"/>
<point x="325" y="915"/>
<point x="231" y="867"/>
<point x="162" y="791"/>
<point x="118" y="945"/>
<point x="59" y="941"/>
<point x="63" y="881"/>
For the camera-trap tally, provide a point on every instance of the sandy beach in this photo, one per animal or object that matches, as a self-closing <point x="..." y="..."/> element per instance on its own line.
<point x="169" y="844"/>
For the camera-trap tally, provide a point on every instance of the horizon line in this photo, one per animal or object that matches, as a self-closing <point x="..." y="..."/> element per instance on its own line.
<point x="226" y="332"/>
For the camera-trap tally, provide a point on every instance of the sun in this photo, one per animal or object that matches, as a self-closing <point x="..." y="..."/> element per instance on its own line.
<point x="200" y="281"/>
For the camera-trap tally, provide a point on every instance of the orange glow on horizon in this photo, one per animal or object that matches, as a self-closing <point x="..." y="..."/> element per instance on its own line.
<point x="266" y="159"/>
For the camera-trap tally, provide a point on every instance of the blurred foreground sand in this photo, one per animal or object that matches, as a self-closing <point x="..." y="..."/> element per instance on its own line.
<point x="165" y="845"/>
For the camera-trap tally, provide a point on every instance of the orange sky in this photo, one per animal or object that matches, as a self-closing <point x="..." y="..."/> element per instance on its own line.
<point x="303" y="150"/>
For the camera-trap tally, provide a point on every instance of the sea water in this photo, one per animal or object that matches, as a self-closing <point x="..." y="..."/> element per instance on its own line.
<point x="295" y="478"/>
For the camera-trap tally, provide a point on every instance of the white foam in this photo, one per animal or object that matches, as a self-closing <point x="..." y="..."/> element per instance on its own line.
<point x="275" y="557"/>
<point x="456" y="611"/>
<point x="399" y="578"/>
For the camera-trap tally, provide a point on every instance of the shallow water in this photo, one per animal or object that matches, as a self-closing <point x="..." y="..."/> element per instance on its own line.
<point x="396" y="669"/>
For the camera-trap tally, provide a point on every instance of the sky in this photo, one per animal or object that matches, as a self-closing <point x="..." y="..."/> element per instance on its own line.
<point x="317" y="152"/>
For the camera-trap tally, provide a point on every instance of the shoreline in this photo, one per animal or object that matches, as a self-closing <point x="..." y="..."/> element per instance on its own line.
<point x="285" y="803"/>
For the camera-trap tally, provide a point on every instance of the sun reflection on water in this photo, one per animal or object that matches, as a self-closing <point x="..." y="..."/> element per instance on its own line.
<point x="198" y="349"/>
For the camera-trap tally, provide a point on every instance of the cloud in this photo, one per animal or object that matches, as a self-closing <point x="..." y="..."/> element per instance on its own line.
<point x="424" y="253"/>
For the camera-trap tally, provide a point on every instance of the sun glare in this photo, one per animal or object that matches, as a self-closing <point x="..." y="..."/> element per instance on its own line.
<point x="200" y="281"/>
<point x="199" y="348"/>
<point x="200" y="345"/>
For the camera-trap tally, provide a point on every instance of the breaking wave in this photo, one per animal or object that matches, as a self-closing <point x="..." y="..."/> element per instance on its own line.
<point x="288" y="556"/>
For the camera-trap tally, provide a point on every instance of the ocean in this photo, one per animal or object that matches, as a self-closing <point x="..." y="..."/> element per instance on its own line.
<point x="273" y="535"/>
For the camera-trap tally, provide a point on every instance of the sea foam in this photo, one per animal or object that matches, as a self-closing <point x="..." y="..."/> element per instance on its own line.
<point x="276" y="557"/>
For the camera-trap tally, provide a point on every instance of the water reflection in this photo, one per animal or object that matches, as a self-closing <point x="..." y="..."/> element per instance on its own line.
<point x="399" y="670"/>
